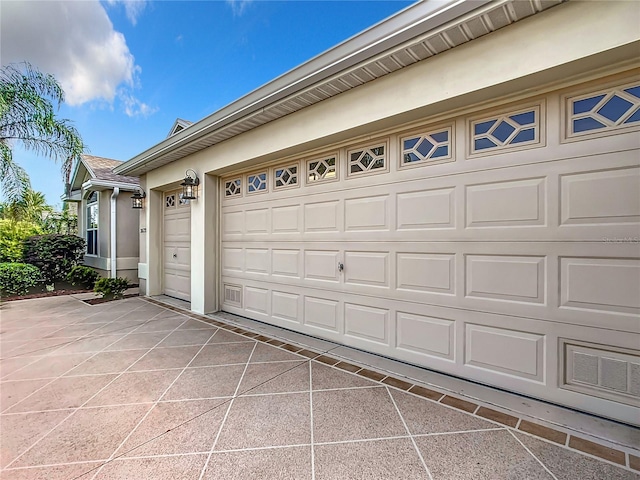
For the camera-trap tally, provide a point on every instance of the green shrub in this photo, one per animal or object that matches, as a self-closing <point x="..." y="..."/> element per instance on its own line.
<point x="111" y="287"/>
<point x="12" y="238"/>
<point x="17" y="278"/>
<point x="81" y="275"/>
<point x="55" y="255"/>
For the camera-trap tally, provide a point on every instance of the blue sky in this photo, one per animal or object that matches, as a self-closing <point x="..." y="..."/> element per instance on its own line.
<point x="130" y="68"/>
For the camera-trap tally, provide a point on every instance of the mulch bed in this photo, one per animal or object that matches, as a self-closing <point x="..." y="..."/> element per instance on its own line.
<point x="97" y="301"/>
<point x="53" y="293"/>
<point x="62" y="291"/>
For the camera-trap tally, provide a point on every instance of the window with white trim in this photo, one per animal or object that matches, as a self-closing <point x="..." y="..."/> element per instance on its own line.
<point x="604" y="110"/>
<point x="369" y="159"/>
<point x="92" y="224"/>
<point x="284" y="177"/>
<point x="257" y="182"/>
<point x="430" y="147"/>
<point x="322" y="169"/>
<point x="507" y="131"/>
<point x="233" y="188"/>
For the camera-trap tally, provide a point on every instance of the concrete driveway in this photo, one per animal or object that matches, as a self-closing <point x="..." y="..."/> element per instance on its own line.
<point x="134" y="390"/>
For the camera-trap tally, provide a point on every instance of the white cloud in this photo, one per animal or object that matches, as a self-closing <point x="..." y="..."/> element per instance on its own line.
<point x="134" y="107"/>
<point x="74" y="41"/>
<point x="238" y="6"/>
<point x="132" y="8"/>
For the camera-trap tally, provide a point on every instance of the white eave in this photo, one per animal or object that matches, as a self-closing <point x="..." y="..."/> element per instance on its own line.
<point x="414" y="34"/>
<point x="98" y="185"/>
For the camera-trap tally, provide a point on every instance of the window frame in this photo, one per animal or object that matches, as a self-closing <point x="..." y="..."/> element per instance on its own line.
<point x="92" y="204"/>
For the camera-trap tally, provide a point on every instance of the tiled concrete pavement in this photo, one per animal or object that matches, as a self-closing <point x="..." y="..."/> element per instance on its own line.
<point x="132" y="390"/>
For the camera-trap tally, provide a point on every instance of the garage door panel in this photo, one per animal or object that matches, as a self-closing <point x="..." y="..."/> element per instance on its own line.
<point x="321" y="265"/>
<point x="286" y="262"/>
<point x="485" y="276"/>
<point x="366" y="323"/>
<point x="510" y="204"/>
<point x="256" y="300"/>
<point x="257" y="221"/>
<point x="367" y="268"/>
<point x="322" y="313"/>
<point x="506" y="204"/>
<point x="616" y="192"/>
<point x="425" y="335"/>
<point x="607" y="284"/>
<point x="176" y="247"/>
<point x="426" y="209"/>
<point x="507" y="278"/>
<point x="367" y="213"/>
<point x="286" y="306"/>
<point x="426" y="272"/>
<point x="508" y="351"/>
<point x="322" y="216"/>
<point x="485" y="266"/>
<point x="257" y="260"/>
<point x="232" y="260"/>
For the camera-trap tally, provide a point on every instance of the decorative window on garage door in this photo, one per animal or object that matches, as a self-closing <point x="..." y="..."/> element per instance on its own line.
<point x="284" y="177"/>
<point x="368" y="159"/>
<point x="233" y="188"/>
<point x="506" y="131"/>
<point x="426" y="148"/>
<point x="257" y="183"/>
<point x="322" y="169"/>
<point x="604" y="111"/>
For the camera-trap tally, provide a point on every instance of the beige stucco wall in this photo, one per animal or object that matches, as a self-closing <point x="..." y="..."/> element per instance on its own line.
<point x="547" y="50"/>
<point x="127" y="237"/>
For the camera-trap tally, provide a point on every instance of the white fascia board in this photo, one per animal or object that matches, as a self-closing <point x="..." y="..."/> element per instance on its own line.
<point x="414" y="20"/>
<point x="107" y="185"/>
<point x="74" y="196"/>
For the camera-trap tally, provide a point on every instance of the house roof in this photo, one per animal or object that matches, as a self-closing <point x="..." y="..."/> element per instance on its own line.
<point x="101" y="176"/>
<point x="414" y="34"/>
<point x="101" y="168"/>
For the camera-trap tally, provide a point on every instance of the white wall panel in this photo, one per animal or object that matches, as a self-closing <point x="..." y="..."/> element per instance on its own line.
<point x="233" y="223"/>
<point x="506" y="204"/>
<point x="426" y="209"/>
<point x="321" y="216"/>
<point x="601" y="283"/>
<point x="367" y="323"/>
<point x="426" y="272"/>
<point x="368" y="213"/>
<point x="601" y="197"/>
<point x="366" y="268"/>
<point x="232" y="259"/>
<point x="321" y="312"/>
<point x="257" y="221"/>
<point x="285" y="262"/>
<point x="286" y="306"/>
<point x="321" y="265"/>
<point x="508" y="351"/>
<point x="256" y="300"/>
<point x="285" y="219"/>
<point x="425" y="335"/>
<point x="257" y="260"/>
<point x="504" y="277"/>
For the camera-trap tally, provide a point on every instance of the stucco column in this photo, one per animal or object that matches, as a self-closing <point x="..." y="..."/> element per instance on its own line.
<point x="153" y="241"/>
<point x="204" y="218"/>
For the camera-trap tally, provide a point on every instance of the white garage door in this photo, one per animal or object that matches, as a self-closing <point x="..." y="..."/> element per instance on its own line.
<point x="177" y="246"/>
<point x="501" y="246"/>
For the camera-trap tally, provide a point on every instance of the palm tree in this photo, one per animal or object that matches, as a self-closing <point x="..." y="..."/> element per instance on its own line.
<point x="28" y="100"/>
<point x="32" y="208"/>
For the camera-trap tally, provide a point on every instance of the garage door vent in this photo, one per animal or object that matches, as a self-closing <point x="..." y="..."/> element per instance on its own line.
<point x="602" y="372"/>
<point x="233" y="295"/>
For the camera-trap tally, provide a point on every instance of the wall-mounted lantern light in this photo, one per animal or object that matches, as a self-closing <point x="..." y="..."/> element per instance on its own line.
<point x="137" y="199"/>
<point x="190" y="185"/>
